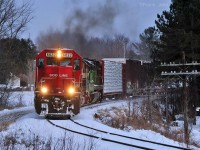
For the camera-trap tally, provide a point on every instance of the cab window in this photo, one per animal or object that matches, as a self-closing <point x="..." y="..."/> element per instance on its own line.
<point x="40" y="62"/>
<point x="65" y="62"/>
<point x="52" y="61"/>
<point x="77" y="64"/>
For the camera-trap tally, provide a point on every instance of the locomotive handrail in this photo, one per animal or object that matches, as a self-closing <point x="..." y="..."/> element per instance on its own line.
<point x="80" y="77"/>
<point x="44" y="78"/>
<point x="55" y="78"/>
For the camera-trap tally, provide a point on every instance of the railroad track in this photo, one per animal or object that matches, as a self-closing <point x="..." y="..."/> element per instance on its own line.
<point x="105" y="102"/>
<point x="98" y="137"/>
<point x="128" y="137"/>
<point x="11" y="117"/>
<point x="154" y="144"/>
<point x="90" y="106"/>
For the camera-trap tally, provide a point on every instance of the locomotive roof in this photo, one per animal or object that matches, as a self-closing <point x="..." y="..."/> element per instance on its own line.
<point x="88" y="62"/>
<point x="120" y="60"/>
<point x="123" y="60"/>
<point x="55" y="49"/>
<point x="65" y="49"/>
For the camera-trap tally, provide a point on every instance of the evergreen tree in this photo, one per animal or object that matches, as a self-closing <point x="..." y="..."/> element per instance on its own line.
<point x="179" y="31"/>
<point x="14" y="56"/>
<point x="147" y="46"/>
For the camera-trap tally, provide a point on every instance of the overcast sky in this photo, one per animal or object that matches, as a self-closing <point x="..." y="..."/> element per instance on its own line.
<point x="99" y="17"/>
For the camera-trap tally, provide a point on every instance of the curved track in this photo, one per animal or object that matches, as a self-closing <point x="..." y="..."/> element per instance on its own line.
<point x="11" y="117"/>
<point x="128" y="137"/>
<point x="103" y="139"/>
<point x="154" y="144"/>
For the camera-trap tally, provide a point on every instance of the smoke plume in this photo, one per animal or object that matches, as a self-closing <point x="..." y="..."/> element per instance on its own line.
<point x="101" y="19"/>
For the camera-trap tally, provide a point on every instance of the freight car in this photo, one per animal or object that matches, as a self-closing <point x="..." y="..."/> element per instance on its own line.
<point x="65" y="81"/>
<point x="112" y="77"/>
<point x="123" y="77"/>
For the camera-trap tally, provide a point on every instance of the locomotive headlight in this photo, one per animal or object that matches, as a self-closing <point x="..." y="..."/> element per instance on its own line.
<point x="44" y="90"/>
<point x="71" y="90"/>
<point x="59" y="54"/>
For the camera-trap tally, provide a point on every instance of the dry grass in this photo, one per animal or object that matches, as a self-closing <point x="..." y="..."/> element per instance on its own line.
<point x="15" y="140"/>
<point x="4" y="126"/>
<point x="137" y="117"/>
<point x="5" y="107"/>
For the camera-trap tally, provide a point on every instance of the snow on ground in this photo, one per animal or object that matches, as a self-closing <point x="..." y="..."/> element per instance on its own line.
<point x="33" y="128"/>
<point x="22" y="97"/>
<point x="7" y="111"/>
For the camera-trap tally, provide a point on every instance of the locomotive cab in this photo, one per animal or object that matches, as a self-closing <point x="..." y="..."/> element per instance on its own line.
<point x="57" y="83"/>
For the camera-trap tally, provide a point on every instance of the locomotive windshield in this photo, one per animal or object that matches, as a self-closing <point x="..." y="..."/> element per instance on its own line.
<point x="52" y="61"/>
<point x="65" y="62"/>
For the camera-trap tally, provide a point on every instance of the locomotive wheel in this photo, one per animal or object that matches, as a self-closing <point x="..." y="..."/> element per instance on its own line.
<point x="76" y="103"/>
<point x="37" y="105"/>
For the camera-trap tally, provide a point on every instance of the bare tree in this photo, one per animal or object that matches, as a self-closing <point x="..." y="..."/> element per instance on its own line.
<point x="13" y="18"/>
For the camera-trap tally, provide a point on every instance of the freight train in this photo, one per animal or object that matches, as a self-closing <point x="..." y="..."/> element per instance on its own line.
<point x="65" y="81"/>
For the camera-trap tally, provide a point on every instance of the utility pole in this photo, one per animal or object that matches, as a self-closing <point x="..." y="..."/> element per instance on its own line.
<point x="125" y="49"/>
<point x="185" y="104"/>
<point x="166" y="105"/>
<point x="182" y="71"/>
<point x="125" y="43"/>
<point x="149" y="103"/>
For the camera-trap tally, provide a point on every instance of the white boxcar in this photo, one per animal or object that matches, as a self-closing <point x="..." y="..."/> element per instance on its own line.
<point x="112" y="76"/>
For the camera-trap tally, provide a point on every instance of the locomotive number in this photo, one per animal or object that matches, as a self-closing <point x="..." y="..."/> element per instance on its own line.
<point x="51" y="54"/>
<point x="53" y="75"/>
<point x="60" y="75"/>
<point x="68" y="55"/>
<point x="63" y="75"/>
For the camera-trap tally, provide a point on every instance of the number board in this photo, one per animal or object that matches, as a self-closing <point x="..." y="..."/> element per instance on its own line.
<point x="67" y="55"/>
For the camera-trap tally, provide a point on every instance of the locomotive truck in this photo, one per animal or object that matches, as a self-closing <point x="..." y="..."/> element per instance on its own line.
<point x="65" y="81"/>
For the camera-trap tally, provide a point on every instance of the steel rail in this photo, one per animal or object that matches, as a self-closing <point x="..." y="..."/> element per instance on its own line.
<point x="103" y="139"/>
<point x="162" y="144"/>
<point x="124" y="136"/>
